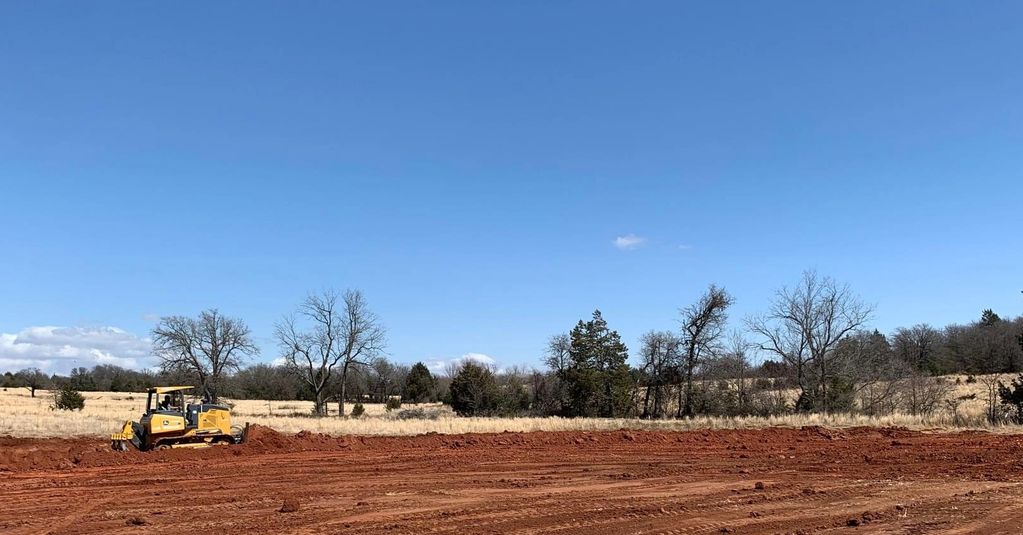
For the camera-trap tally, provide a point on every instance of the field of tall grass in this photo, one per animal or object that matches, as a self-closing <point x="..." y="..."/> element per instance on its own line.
<point x="24" y="416"/>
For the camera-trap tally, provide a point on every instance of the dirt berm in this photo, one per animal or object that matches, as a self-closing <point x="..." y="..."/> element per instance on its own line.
<point x="18" y="454"/>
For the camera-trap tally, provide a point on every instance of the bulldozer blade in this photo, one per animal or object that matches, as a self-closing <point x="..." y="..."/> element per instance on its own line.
<point x="240" y="435"/>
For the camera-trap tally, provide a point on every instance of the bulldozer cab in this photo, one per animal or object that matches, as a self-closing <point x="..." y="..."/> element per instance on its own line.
<point x="166" y="399"/>
<point x="171" y="400"/>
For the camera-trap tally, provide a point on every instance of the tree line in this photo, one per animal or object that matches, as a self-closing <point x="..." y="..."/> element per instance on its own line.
<point x="377" y="382"/>
<point x="812" y="339"/>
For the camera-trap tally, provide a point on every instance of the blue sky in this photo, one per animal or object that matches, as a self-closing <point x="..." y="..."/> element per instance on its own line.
<point x="469" y="166"/>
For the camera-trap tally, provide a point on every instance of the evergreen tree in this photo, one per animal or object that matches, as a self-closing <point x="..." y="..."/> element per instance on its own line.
<point x="82" y="380"/>
<point x="597" y="377"/>
<point x="474" y="391"/>
<point x="989" y="318"/>
<point x="68" y="399"/>
<point x="1013" y="395"/>
<point x="419" y="384"/>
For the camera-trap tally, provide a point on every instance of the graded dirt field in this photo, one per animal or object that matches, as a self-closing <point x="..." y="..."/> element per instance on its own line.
<point x="809" y="480"/>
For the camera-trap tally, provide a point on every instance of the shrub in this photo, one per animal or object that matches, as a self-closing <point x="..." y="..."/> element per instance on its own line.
<point x="1012" y="395"/>
<point x="392" y="403"/>
<point x="358" y="410"/>
<point x="418" y="413"/>
<point x="970" y="379"/>
<point x="514" y="400"/>
<point x="68" y="399"/>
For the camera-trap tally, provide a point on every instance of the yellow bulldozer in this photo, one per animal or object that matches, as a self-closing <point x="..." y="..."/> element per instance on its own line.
<point x="170" y="422"/>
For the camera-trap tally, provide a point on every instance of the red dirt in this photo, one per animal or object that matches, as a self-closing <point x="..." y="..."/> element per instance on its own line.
<point x="814" y="481"/>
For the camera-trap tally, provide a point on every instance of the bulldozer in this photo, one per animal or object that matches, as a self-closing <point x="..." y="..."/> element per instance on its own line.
<point x="173" y="423"/>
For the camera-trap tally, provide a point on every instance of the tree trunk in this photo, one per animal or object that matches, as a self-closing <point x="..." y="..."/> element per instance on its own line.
<point x="609" y="409"/>
<point x="319" y="408"/>
<point x="205" y="386"/>
<point x="678" y="410"/>
<point x="646" y="402"/>
<point x="344" y="385"/>
<point x="659" y="400"/>
<point x="341" y="401"/>
<point x="801" y="381"/>
<point x="823" y="385"/>
<point x="689" y="393"/>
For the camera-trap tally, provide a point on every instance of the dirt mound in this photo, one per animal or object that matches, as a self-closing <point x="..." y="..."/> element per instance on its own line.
<point x="19" y="455"/>
<point x="259" y="437"/>
<point x="22" y="454"/>
<point x="266" y="440"/>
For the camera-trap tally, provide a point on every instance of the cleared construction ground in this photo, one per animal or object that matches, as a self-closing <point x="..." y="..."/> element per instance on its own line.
<point x="809" y="480"/>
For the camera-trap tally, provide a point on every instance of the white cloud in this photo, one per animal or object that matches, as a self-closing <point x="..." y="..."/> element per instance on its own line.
<point x="684" y="247"/>
<point x="442" y="365"/>
<point x="58" y="349"/>
<point x="629" y="241"/>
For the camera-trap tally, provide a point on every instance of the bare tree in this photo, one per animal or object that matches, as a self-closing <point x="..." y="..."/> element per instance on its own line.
<point x="450" y="368"/>
<point x="863" y="360"/>
<point x="804" y="325"/>
<point x="330" y="334"/>
<point x="659" y="352"/>
<point x="557" y="356"/>
<point x="921" y="395"/>
<point x="738" y="362"/>
<point x="382" y="379"/>
<point x="208" y="347"/>
<point x="918" y="346"/>
<point x="702" y="326"/>
<point x="545" y="389"/>
<point x="31" y="378"/>
<point x="558" y="359"/>
<point x="992" y="401"/>
<point x="266" y="382"/>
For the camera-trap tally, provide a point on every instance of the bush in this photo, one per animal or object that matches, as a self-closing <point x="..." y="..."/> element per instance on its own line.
<point x="358" y="410"/>
<point x="514" y="400"/>
<point x="392" y="403"/>
<point x="68" y="399"/>
<point x="1012" y="395"/>
<point x="418" y="413"/>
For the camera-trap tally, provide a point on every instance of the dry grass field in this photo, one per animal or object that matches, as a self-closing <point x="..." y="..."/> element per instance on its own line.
<point x="24" y="416"/>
